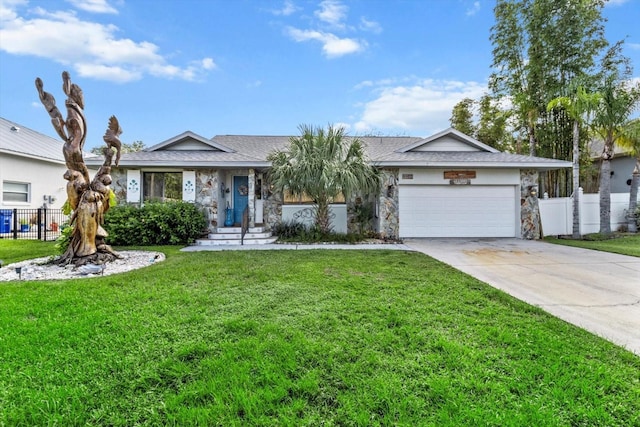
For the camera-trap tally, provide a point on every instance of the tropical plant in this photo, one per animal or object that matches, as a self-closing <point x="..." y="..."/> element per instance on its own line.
<point x="631" y="143"/>
<point x="322" y="164"/>
<point x="611" y="122"/>
<point x="578" y="104"/>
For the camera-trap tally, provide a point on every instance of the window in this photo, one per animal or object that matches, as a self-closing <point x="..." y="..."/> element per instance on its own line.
<point x="162" y="186"/>
<point x="15" y="191"/>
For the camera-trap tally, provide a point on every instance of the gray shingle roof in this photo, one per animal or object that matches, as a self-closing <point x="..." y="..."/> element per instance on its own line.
<point x="21" y="141"/>
<point x="470" y="158"/>
<point x="252" y="151"/>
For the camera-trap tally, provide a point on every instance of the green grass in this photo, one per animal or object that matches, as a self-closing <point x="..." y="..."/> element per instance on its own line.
<point x="291" y="338"/>
<point x="620" y="244"/>
<point x="18" y="250"/>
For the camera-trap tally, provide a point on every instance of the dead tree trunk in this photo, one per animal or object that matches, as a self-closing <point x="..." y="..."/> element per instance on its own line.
<point x="88" y="199"/>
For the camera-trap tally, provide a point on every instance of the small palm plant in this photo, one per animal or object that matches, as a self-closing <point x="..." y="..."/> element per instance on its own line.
<point x="322" y="164"/>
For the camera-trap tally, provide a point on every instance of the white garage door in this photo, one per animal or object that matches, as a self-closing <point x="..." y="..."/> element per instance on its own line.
<point x="457" y="211"/>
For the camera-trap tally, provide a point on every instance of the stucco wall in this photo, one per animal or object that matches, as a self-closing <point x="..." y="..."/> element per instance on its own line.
<point x="45" y="179"/>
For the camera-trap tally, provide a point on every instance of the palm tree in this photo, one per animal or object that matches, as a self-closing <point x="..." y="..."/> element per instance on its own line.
<point x="322" y="164"/>
<point x="611" y="122"/>
<point x="578" y="106"/>
<point x="631" y="143"/>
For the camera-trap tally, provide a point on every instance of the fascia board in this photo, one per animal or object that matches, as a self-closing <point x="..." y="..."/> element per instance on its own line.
<point x="191" y="165"/>
<point x="33" y="157"/>
<point x="509" y="165"/>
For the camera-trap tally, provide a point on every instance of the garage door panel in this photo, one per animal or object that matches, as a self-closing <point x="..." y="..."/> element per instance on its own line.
<point x="457" y="211"/>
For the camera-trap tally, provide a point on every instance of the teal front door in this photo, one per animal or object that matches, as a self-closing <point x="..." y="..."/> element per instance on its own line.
<point x="240" y="197"/>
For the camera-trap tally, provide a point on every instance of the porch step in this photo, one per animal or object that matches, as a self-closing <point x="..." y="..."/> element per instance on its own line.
<point x="231" y="242"/>
<point x="233" y="236"/>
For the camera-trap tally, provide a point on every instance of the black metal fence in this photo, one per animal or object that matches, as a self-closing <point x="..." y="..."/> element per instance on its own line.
<point x="40" y="224"/>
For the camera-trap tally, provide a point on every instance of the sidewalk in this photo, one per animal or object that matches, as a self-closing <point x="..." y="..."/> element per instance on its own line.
<point x="297" y="246"/>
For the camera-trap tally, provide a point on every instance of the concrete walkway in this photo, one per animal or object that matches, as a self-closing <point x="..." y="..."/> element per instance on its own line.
<point x="597" y="291"/>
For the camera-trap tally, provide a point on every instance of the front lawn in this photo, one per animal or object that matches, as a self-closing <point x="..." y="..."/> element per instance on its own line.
<point x="628" y="244"/>
<point x="18" y="250"/>
<point x="319" y="337"/>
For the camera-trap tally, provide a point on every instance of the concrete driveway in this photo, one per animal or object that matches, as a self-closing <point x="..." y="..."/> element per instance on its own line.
<point x="597" y="291"/>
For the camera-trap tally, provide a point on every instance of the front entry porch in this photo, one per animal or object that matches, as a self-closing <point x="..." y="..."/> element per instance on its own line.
<point x="233" y="236"/>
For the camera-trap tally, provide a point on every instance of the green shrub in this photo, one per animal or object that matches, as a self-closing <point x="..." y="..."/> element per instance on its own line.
<point x="291" y="231"/>
<point x="64" y="239"/>
<point x="154" y="223"/>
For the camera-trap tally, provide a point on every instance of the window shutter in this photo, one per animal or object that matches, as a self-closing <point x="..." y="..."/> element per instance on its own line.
<point x="134" y="186"/>
<point x="189" y="186"/>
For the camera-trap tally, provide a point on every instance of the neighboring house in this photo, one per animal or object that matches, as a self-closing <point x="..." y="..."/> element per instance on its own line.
<point x="31" y="168"/>
<point x="446" y="185"/>
<point x="622" y="165"/>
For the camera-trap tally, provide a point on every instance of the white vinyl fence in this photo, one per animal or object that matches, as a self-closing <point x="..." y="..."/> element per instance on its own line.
<point x="557" y="214"/>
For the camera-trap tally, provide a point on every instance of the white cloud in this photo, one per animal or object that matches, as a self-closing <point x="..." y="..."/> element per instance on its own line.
<point x="345" y="126"/>
<point x="424" y="106"/>
<point x="93" y="49"/>
<point x="634" y="46"/>
<point x="615" y="2"/>
<point x="332" y="12"/>
<point x="332" y="45"/>
<point x="371" y="26"/>
<point x="288" y="8"/>
<point x="95" y="6"/>
<point x="475" y="8"/>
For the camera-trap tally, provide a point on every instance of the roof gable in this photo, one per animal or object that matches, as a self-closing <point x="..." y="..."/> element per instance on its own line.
<point x="449" y="140"/>
<point x="189" y="141"/>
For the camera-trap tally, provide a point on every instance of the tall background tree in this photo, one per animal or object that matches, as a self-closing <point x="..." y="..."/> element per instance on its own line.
<point x="612" y="123"/>
<point x="322" y="164"/>
<point x="485" y="121"/>
<point x="539" y="47"/>
<point x="135" y="146"/>
<point x="578" y="104"/>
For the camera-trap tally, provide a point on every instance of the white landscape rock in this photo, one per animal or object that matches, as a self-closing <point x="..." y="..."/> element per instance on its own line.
<point x="42" y="269"/>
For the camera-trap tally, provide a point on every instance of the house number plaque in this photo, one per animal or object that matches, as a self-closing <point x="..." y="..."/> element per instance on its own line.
<point x="459" y="177"/>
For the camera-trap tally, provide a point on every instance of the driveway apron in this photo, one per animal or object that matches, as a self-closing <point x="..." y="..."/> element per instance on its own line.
<point x="597" y="291"/>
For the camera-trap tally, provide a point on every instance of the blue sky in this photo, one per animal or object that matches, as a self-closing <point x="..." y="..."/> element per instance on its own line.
<point x="256" y="67"/>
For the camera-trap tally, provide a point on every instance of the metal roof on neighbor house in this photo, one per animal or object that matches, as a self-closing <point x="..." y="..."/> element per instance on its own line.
<point x="21" y="141"/>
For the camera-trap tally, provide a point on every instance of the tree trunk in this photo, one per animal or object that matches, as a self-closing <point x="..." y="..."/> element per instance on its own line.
<point x="576" y="180"/>
<point x="323" y="222"/>
<point x="632" y="218"/>
<point x="605" y="197"/>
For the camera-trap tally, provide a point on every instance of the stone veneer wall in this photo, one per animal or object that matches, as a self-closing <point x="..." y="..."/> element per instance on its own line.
<point x="529" y="207"/>
<point x="207" y="190"/>
<point x="388" y="225"/>
<point x="354" y="204"/>
<point x="272" y="205"/>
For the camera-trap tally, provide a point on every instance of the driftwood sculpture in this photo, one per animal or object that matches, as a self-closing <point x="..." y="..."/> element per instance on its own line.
<point x="88" y="199"/>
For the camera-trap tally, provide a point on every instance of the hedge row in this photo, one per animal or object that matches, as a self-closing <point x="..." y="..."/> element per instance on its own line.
<point x="169" y="223"/>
